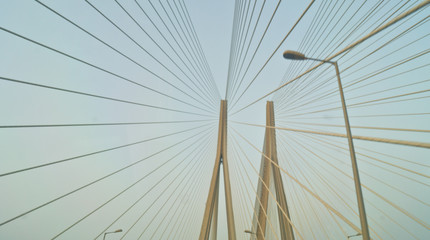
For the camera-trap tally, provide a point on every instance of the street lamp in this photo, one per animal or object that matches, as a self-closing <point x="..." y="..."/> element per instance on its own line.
<point x="116" y="231"/>
<point x="293" y="55"/>
<point x="251" y="233"/>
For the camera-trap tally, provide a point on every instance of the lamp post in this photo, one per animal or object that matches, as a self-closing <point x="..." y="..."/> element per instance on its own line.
<point x="116" y="231"/>
<point x="363" y="220"/>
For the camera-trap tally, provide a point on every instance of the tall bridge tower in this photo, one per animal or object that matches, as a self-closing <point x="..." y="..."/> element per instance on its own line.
<point x="210" y="218"/>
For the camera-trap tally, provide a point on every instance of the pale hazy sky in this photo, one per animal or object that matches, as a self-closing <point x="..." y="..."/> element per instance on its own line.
<point x="386" y="81"/>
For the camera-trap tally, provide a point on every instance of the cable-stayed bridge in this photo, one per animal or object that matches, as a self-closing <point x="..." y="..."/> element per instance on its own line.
<point x="180" y="119"/>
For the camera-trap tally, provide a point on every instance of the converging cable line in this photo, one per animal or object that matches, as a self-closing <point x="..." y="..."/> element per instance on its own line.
<point x="417" y="7"/>
<point x="374" y="139"/>
<point x="97" y="180"/>
<point x="330" y="208"/>
<point x="99" y="96"/>
<point x="99" y="68"/>
<point x="138" y="181"/>
<point x="100" y="124"/>
<point x="99" y="151"/>
<point x="197" y="66"/>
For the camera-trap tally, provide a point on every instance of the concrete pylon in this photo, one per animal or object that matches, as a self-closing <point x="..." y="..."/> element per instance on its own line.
<point x="269" y="172"/>
<point x="210" y="217"/>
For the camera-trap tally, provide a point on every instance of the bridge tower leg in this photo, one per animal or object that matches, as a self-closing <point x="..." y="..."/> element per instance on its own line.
<point x="268" y="172"/>
<point x="210" y="217"/>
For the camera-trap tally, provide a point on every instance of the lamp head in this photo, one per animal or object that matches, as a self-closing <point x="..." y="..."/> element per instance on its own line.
<point x="293" y="55"/>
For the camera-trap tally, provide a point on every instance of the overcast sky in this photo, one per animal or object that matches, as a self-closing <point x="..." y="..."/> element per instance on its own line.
<point x="156" y="87"/>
